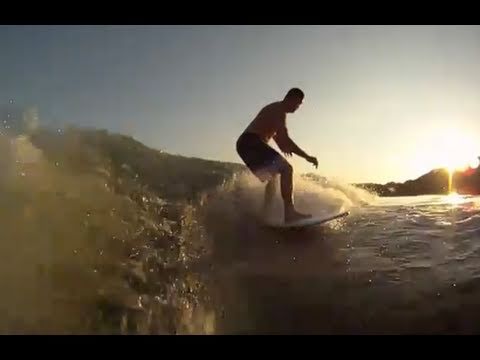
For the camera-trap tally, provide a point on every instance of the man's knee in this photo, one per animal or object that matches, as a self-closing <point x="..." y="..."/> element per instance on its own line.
<point x="286" y="168"/>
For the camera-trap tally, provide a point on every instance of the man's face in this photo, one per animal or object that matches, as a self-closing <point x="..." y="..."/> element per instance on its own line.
<point x="293" y="104"/>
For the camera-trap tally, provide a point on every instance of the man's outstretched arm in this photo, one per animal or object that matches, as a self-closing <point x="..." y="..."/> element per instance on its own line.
<point x="288" y="146"/>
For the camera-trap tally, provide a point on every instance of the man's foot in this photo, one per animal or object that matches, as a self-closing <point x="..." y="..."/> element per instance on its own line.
<point x="294" y="215"/>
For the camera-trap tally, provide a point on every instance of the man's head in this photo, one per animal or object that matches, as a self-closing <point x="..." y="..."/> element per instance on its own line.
<point x="293" y="99"/>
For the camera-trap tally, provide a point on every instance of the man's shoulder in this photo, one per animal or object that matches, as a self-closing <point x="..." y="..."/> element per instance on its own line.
<point x="274" y="108"/>
<point x="274" y="105"/>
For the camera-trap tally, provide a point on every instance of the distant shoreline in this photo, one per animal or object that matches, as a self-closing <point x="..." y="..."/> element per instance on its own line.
<point x="435" y="182"/>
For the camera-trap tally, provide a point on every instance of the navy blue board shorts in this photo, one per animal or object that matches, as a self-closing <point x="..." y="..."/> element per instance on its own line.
<point x="262" y="160"/>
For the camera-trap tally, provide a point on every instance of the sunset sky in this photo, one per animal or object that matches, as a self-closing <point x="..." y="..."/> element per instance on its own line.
<point x="383" y="103"/>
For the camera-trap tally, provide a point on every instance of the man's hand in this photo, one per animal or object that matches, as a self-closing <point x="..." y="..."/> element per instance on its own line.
<point x="313" y="160"/>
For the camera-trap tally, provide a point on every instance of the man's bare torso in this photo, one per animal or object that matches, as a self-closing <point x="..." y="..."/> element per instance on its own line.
<point x="269" y="121"/>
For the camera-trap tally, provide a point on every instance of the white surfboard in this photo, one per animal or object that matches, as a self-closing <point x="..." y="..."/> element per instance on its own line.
<point x="315" y="220"/>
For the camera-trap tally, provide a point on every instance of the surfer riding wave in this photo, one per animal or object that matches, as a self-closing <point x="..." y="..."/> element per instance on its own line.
<point x="264" y="161"/>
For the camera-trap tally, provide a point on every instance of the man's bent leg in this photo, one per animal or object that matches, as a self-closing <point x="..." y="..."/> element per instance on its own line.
<point x="286" y="183"/>
<point x="270" y="190"/>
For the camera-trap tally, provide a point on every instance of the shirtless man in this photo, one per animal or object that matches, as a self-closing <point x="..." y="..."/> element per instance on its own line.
<point x="264" y="161"/>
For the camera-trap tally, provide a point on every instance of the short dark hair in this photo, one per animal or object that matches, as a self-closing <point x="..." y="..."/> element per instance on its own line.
<point x="295" y="92"/>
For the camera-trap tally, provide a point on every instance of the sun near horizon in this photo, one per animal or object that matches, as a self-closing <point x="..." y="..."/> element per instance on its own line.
<point x="453" y="149"/>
